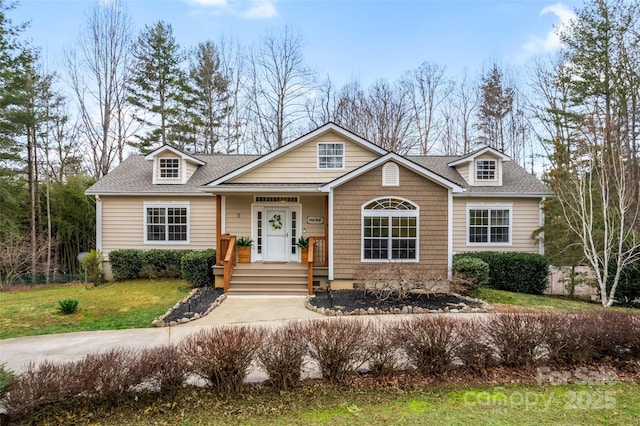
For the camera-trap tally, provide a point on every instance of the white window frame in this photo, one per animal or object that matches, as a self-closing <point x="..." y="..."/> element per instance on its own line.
<point x="389" y="213"/>
<point x="489" y="208"/>
<point x="343" y="156"/>
<point x="478" y="170"/>
<point x="166" y="205"/>
<point x="171" y="168"/>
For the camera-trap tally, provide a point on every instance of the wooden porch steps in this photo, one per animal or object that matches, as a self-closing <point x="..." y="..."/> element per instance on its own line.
<point x="269" y="279"/>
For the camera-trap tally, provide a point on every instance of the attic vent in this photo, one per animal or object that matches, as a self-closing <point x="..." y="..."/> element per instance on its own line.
<point x="390" y="175"/>
<point x="260" y="199"/>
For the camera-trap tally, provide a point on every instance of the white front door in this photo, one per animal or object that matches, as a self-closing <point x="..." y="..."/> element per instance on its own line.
<point x="277" y="235"/>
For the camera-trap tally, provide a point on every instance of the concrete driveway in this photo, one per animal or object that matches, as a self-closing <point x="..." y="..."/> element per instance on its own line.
<point x="259" y="311"/>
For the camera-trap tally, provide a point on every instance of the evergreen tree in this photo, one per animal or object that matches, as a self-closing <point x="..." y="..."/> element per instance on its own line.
<point x="496" y="102"/>
<point x="210" y="96"/>
<point x="158" y="85"/>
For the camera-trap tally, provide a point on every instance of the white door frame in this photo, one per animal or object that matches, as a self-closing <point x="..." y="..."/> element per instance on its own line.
<point x="259" y="239"/>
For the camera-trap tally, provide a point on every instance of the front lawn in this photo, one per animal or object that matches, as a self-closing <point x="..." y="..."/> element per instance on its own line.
<point x="542" y="303"/>
<point x="522" y="404"/>
<point x="111" y="306"/>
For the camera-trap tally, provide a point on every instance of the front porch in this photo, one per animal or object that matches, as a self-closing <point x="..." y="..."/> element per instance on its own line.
<point x="270" y="278"/>
<point x="276" y="224"/>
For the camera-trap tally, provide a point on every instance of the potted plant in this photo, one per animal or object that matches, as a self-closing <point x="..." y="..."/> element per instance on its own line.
<point x="244" y="249"/>
<point x="303" y="243"/>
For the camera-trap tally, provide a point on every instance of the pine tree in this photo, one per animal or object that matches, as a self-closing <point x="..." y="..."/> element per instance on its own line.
<point x="210" y="95"/>
<point x="158" y="85"/>
<point x="496" y="102"/>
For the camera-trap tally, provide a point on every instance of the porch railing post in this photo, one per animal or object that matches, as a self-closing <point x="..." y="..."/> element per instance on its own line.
<point x="310" y="256"/>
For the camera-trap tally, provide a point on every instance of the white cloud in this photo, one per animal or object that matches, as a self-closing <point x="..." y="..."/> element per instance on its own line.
<point x="551" y="41"/>
<point x="250" y="9"/>
<point x="208" y="3"/>
<point x="261" y="9"/>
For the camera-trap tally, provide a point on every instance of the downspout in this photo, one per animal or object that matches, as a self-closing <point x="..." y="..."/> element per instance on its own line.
<point x="450" y="234"/>
<point x="330" y="236"/>
<point x="541" y="224"/>
<point x="98" y="223"/>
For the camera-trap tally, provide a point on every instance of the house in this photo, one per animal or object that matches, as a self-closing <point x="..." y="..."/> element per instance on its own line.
<point x="359" y="203"/>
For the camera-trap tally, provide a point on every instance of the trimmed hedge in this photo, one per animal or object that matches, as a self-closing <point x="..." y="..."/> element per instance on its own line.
<point x="628" y="290"/>
<point x="129" y="264"/>
<point x="514" y="271"/>
<point x="197" y="267"/>
<point x="473" y="270"/>
<point x="125" y="264"/>
<point x="162" y="263"/>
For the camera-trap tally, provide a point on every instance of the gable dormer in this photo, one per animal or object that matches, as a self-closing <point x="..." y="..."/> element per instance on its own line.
<point x="482" y="167"/>
<point x="172" y="166"/>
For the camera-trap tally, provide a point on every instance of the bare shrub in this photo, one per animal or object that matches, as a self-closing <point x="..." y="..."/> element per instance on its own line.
<point x="430" y="342"/>
<point x="517" y="338"/>
<point x="38" y="385"/>
<point x="337" y="346"/>
<point x="381" y="351"/>
<point x="109" y="373"/>
<point x="222" y="355"/>
<point x="164" y="367"/>
<point x="394" y="280"/>
<point x="282" y="355"/>
<point x="614" y="335"/>
<point x="474" y="352"/>
<point x="567" y="338"/>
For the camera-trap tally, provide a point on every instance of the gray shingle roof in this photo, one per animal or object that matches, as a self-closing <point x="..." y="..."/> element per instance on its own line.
<point x="515" y="179"/>
<point x="134" y="176"/>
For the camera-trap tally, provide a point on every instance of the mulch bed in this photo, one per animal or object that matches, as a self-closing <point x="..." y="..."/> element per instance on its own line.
<point x="352" y="300"/>
<point x="198" y="303"/>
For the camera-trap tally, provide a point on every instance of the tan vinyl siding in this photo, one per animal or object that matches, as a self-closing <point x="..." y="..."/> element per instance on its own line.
<point x="300" y="165"/>
<point x="238" y="215"/>
<point x="463" y="169"/>
<point x="313" y="206"/>
<point x="123" y="223"/>
<point x="347" y="230"/>
<point x="191" y="169"/>
<point x="525" y="219"/>
<point x="160" y="180"/>
<point x="497" y="180"/>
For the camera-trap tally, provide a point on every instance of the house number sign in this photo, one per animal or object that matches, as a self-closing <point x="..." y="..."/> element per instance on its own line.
<point x="315" y="219"/>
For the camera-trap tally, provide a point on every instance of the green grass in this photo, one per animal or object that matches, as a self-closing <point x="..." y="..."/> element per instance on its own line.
<point x="605" y="404"/>
<point x="543" y="303"/>
<point x="111" y="306"/>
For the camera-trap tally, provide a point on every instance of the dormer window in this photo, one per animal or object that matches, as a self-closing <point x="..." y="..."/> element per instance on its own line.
<point x="330" y="155"/>
<point x="169" y="168"/>
<point x="486" y="170"/>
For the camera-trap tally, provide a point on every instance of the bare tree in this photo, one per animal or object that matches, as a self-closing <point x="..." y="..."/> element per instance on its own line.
<point x="98" y="70"/>
<point x="277" y="84"/>
<point x="390" y="117"/>
<point x="232" y="65"/>
<point x="427" y="88"/>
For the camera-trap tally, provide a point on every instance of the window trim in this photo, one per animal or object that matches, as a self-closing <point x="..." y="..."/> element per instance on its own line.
<point x="390" y="213"/>
<point x="165" y="205"/>
<point x="477" y="170"/>
<point x="177" y="169"/>
<point x="489" y="208"/>
<point x="344" y="156"/>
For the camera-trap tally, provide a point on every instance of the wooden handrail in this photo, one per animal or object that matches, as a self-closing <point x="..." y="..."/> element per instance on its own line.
<point x="312" y="241"/>
<point x="229" y="260"/>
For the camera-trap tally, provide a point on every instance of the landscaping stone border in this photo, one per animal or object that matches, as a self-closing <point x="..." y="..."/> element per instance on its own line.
<point x="160" y="322"/>
<point x="454" y="308"/>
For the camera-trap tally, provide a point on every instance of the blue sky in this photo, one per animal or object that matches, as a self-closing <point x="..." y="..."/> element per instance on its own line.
<point x="365" y="39"/>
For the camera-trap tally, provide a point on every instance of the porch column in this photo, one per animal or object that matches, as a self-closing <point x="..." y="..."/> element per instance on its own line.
<point x="219" y="255"/>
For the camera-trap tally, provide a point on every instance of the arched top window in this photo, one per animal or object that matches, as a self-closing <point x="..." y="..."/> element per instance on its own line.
<point x="390" y="204"/>
<point x="390" y="230"/>
<point x="390" y="175"/>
